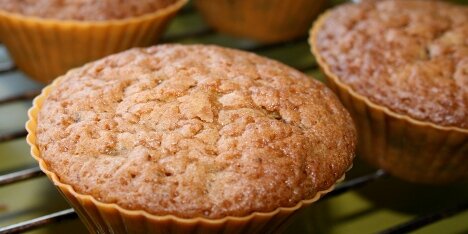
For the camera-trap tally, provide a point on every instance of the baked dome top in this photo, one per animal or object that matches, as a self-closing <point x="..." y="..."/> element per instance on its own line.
<point x="194" y="131"/>
<point x="408" y="55"/>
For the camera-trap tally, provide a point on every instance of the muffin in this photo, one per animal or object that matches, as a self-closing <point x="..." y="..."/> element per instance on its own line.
<point x="262" y="20"/>
<point x="48" y="37"/>
<point x="401" y="69"/>
<point x="191" y="139"/>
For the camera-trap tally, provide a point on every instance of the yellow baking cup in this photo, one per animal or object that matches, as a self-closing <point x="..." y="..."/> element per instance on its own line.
<point x="410" y="149"/>
<point x="262" y="20"/>
<point x="47" y="48"/>
<point x="102" y="217"/>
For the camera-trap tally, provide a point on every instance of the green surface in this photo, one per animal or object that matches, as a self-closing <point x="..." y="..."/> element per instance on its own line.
<point x="377" y="206"/>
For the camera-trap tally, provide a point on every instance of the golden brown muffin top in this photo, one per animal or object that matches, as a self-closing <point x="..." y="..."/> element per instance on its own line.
<point x="408" y="55"/>
<point x="194" y="131"/>
<point x="84" y="10"/>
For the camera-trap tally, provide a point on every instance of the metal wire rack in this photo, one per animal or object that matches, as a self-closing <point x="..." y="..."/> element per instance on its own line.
<point x="200" y="33"/>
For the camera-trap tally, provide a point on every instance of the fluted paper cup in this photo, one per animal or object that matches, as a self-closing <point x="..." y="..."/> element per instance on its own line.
<point x="410" y="149"/>
<point x="263" y="20"/>
<point x="47" y="48"/>
<point x="100" y="217"/>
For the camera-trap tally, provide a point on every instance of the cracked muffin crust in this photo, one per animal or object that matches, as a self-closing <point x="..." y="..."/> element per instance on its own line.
<point x="410" y="56"/>
<point x="83" y="10"/>
<point x="194" y="131"/>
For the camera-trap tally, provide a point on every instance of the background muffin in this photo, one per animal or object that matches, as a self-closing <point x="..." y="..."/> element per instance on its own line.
<point x="262" y="20"/>
<point x="83" y="10"/>
<point x="191" y="131"/>
<point x="401" y="68"/>
<point x="48" y="37"/>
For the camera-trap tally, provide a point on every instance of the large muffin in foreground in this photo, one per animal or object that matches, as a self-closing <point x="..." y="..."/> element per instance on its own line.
<point x="401" y="68"/>
<point x="194" y="134"/>
<point x="46" y="38"/>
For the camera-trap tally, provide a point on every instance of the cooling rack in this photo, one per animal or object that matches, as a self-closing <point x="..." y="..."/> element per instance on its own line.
<point x="368" y="201"/>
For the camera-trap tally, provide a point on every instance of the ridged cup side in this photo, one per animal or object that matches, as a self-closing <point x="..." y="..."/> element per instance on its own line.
<point x="410" y="149"/>
<point x="46" y="48"/>
<point x="101" y="217"/>
<point x="263" y="20"/>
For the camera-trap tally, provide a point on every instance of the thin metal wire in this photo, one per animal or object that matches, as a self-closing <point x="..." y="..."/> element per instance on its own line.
<point x="20" y="175"/>
<point x="306" y="68"/>
<point x="262" y="47"/>
<point x="7" y="67"/>
<point x="355" y="183"/>
<point x="39" y="222"/>
<point x="27" y="95"/>
<point x="12" y="135"/>
<point x="197" y="33"/>
<point x="425" y="220"/>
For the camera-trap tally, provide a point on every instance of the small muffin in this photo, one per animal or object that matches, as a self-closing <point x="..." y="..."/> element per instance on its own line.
<point x="190" y="137"/>
<point x="262" y="20"/>
<point x="401" y="68"/>
<point x="48" y="37"/>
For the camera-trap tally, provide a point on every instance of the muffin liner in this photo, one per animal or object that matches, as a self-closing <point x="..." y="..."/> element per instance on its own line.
<point x="100" y="217"/>
<point x="407" y="148"/>
<point x="263" y="20"/>
<point x="47" y="48"/>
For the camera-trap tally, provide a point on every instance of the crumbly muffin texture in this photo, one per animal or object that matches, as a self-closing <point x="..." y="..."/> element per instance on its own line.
<point x="84" y="10"/>
<point x="194" y="131"/>
<point x="408" y="55"/>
